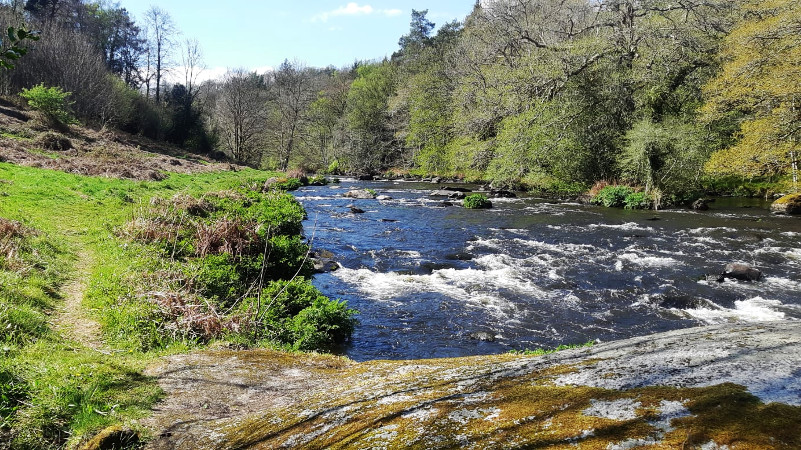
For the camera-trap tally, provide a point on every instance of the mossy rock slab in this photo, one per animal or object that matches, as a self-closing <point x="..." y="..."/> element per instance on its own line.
<point x="731" y="385"/>
<point x="789" y="204"/>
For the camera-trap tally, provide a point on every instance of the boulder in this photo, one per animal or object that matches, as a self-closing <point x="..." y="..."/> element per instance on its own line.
<point x="356" y="210"/>
<point x="482" y="336"/>
<point x="113" y="437"/>
<point x="700" y="205"/>
<point x="360" y="194"/>
<point x="324" y="265"/>
<point x="447" y="193"/>
<point x="742" y="272"/>
<point x="789" y="204"/>
<point x="365" y="178"/>
<point x="383" y="197"/>
<point x="502" y="193"/>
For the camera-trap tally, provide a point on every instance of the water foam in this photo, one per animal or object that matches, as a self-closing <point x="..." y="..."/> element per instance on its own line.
<point x="756" y="309"/>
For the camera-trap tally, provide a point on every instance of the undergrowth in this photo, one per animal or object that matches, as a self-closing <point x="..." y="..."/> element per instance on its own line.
<point x="177" y="263"/>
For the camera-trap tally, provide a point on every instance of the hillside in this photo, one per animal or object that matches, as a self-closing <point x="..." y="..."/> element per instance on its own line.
<point x="27" y="140"/>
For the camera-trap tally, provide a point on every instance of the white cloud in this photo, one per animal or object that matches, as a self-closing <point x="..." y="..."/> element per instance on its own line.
<point x="354" y="9"/>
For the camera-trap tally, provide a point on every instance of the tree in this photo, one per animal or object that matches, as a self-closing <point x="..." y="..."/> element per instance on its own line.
<point x="239" y="114"/>
<point x="12" y="46"/>
<point x="119" y="40"/>
<point x="371" y="139"/>
<point x="292" y="92"/>
<point x="759" y="82"/>
<point x="161" y="38"/>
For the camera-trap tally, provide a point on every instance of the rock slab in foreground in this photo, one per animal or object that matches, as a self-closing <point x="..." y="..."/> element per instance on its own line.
<point x="734" y="385"/>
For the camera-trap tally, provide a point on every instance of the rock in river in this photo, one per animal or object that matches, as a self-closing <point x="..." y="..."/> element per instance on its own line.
<point x="789" y="204"/>
<point x="360" y="194"/>
<point x="743" y="272"/>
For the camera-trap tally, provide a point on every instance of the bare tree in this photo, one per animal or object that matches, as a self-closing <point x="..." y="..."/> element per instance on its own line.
<point x="240" y="113"/>
<point x="292" y="93"/>
<point x="193" y="65"/>
<point x="161" y="39"/>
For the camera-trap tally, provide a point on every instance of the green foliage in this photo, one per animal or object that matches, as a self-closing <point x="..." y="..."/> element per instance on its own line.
<point x="318" y="180"/>
<point x="13" y="391"/>
<point x="542" y="351"/>
<point x="668" y="156"/>
<point x="762" y="57"/>
<point x="51" y="101"/>
<point x="613" y="196"/>
<point x="11" y="48"/>
<point x="637" y="200"/>
<point x="477" y="201"/>
<point x="299" y="316"/>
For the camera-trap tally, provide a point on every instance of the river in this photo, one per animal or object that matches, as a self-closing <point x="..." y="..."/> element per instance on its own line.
<point x="432" y="281"/>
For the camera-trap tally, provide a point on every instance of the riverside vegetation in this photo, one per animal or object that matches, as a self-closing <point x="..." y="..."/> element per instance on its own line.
<point x="188" y="261"/>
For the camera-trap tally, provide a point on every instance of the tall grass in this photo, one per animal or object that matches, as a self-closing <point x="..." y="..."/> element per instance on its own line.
<point x="54" y="390"/>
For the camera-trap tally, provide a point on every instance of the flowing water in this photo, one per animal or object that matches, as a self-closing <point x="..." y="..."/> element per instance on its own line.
<point x="432" y="281"/>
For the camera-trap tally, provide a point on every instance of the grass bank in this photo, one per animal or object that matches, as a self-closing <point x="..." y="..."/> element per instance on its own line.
<point x="174" y="264"/>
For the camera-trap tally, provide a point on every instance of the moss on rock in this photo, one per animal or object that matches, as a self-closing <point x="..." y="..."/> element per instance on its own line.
<point x="789" y="204"/>
<point x="501" y="401"/>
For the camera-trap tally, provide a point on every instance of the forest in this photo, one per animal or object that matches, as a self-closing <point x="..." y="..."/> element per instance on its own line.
<point x="672" y="98"/>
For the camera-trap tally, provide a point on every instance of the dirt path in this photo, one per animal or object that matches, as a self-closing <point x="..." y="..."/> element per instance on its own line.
<point x="71" y="319"/>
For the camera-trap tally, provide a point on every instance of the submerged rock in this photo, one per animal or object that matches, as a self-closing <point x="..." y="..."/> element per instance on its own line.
<point x="458" y="195"/>
<point x="356" y="210"/>
<point x="789" y="204"/>
<point x="742" y="272"/>
<point x="726" y="383"/>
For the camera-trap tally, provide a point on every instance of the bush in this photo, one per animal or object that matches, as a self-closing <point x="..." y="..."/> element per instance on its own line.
<point x="477" y="201"/>
<point x="50" y="101"/>
<point x="638" y="200"/>
<point x="301" y="317"/>
<point x="613" y="196"/>
<point x="54" y="141"/>
<point x="318" y="180"/>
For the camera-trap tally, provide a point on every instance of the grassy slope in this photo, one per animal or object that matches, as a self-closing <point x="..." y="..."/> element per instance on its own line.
<point x="71" y="390"/>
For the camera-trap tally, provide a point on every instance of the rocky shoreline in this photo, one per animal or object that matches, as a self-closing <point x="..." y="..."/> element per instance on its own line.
<point x="729" y="386"/>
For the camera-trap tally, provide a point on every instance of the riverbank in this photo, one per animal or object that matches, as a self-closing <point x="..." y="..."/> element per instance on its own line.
<point x="730" y="386"/>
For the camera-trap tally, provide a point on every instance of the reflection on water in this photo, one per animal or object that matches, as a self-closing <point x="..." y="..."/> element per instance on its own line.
<point x="430" y="280"/>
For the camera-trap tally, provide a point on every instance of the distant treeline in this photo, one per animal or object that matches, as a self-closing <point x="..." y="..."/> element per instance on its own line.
<point x="545" y="94"/>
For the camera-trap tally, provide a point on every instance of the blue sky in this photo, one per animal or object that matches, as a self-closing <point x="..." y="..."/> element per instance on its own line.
<point x="257" y="35"/>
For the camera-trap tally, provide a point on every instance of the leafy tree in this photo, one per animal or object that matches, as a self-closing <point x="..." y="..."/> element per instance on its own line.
<point x="759" y="80"/>
<point x="368" y="117"/>
<point x="11" y="47"/>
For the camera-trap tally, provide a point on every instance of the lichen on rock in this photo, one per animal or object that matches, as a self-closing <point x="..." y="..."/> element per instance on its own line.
<point x="727" y="385"/>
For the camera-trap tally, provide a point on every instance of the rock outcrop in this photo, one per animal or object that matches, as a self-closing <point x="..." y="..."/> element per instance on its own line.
<point x="789" y="204"/>
<point x="706" y="387"/>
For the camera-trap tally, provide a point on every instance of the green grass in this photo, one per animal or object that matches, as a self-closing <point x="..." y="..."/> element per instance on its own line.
<point x="543" y="351"/>
<point x="53" y="390"/>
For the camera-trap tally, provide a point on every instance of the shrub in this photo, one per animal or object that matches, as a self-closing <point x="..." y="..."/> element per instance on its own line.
<point x="50" y="101"/>
<point x="638" y="200"/>
<point x="54" y="141"/>
<point x="477" y="201"/>
<point x="318" y="180"/>
<point x="613" y="196"/>
<point x="301" y="317"/>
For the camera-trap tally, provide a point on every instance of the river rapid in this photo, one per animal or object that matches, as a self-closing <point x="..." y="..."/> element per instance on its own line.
<point x="432" y="281"/>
